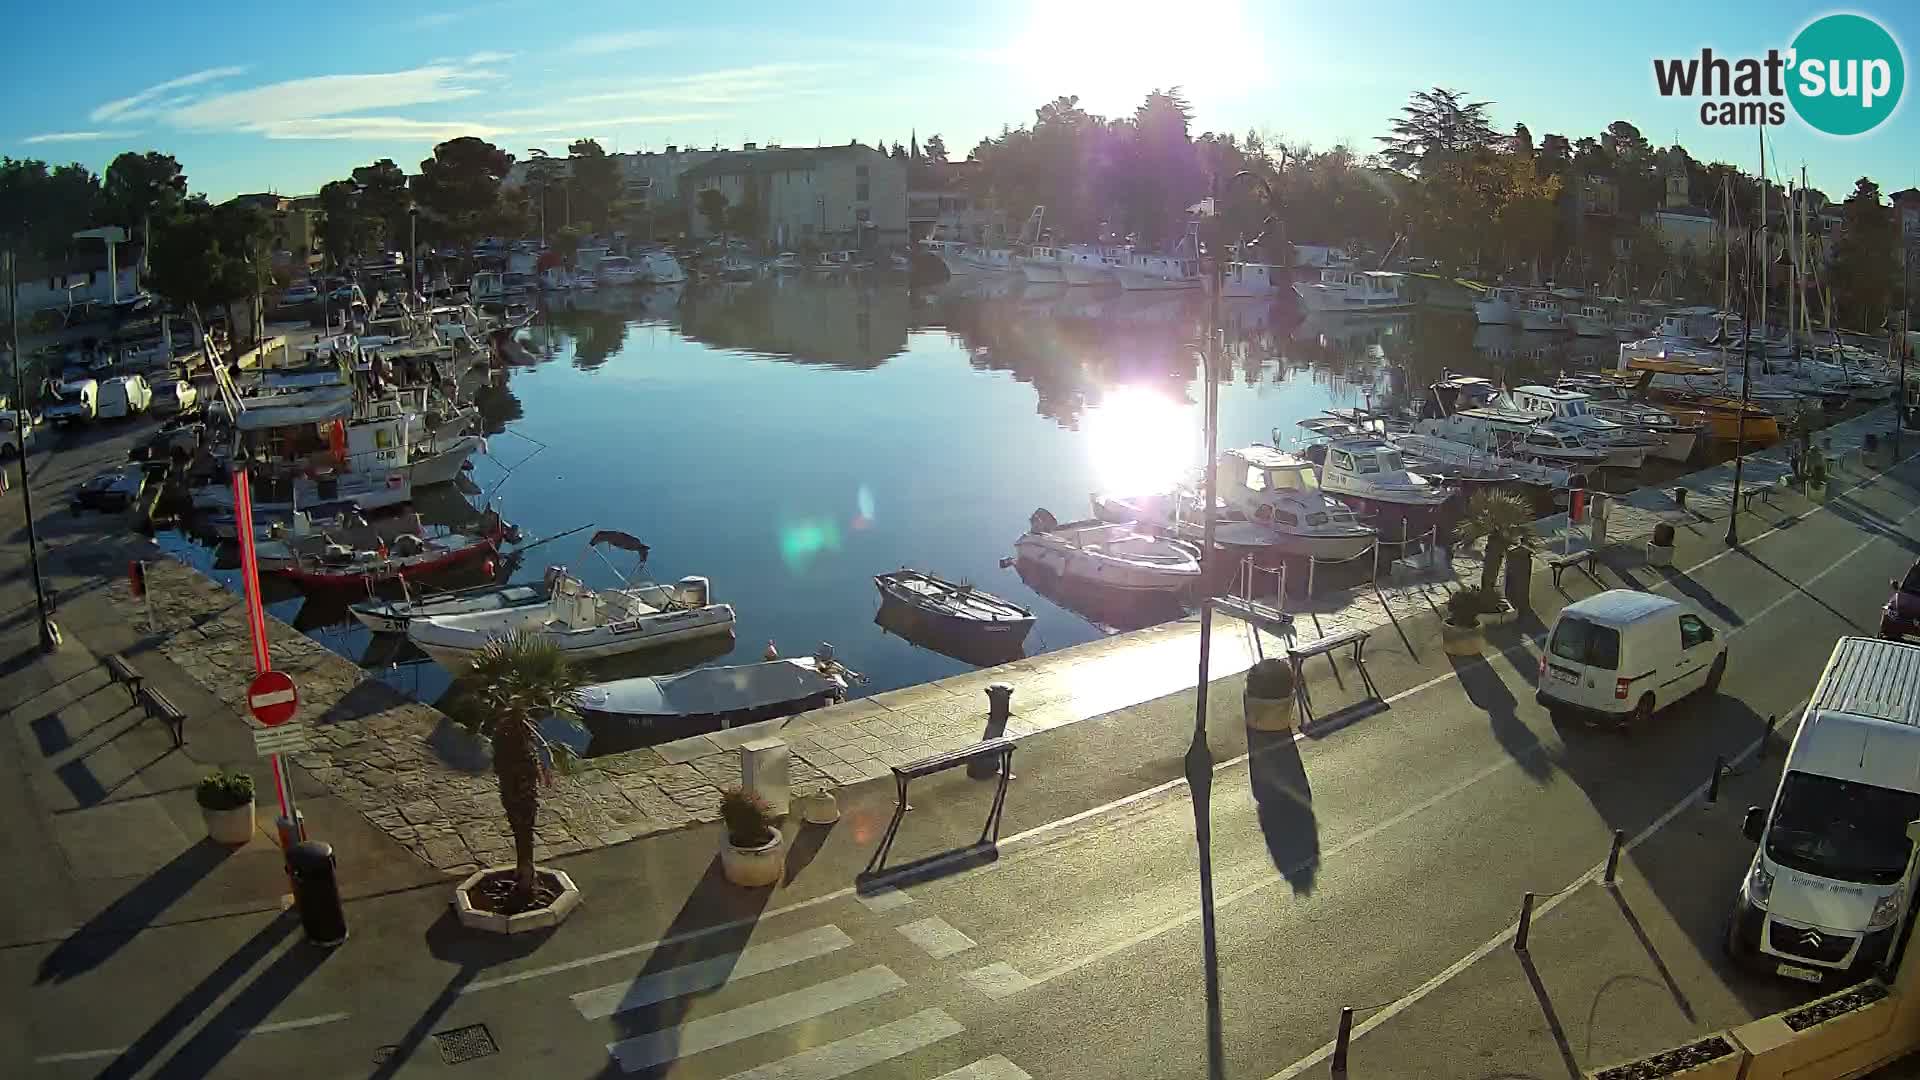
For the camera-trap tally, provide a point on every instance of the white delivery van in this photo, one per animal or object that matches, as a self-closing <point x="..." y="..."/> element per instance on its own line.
<point x="1829" y="883"/>
<point x="128" y="395"/>
<point x="1624" y="655"/>
<point x="76" y="401"/>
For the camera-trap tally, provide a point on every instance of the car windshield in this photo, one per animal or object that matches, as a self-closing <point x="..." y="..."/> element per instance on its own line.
<point x="1842" y="828"/>
<point x="1582" y="642"/>
<point x="1911" y="583"/>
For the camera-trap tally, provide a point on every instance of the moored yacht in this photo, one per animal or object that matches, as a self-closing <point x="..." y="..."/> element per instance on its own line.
<point x="1627" y="447"/>
<point x="1368" y="473"/>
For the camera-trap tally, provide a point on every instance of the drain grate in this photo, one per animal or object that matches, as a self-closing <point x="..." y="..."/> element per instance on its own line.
<point x="463" y="1044"/>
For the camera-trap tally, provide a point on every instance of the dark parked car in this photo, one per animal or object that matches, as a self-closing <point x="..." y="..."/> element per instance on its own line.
<point x="1900" y="619"/>
<point x="110" y="491"/>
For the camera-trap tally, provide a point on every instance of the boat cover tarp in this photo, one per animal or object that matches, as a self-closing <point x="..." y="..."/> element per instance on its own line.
<point x="616" y="538"/>
<point x="708" y="691"/>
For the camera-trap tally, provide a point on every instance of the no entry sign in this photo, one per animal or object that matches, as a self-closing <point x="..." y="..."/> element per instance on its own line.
<point x="272" y="698"/>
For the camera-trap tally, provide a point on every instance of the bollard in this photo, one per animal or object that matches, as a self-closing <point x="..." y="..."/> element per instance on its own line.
<point x="999" y="706"/>
<point x="1613" y="857"/>
<point x="1766" y="737"/>
<point x="1341" y="1041"/>
<point x="1680" y="497"/>
<point x="1713" y="785"/>
<point x="1526" y="923"/>
<point x="316" y="892"/>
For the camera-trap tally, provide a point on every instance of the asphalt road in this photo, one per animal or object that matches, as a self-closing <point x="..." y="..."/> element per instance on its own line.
<point x="1360" y="867"/>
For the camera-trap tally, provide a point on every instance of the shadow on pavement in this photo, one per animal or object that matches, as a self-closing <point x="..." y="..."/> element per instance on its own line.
<point x="1836" y="612"/>
<point x="251" y="1007"/>
<point x="1700" y="595"/>
<point x="122" y="920"/>
<point x="1554" y="1026"/>
<point x="806" y="844"/>
<point x="475" y="951"/>
<point x="1489" y="693"/>
<point x="1284" y="799"/>
<point x="1874" y="524"/>
<point x="1653" y="954"/>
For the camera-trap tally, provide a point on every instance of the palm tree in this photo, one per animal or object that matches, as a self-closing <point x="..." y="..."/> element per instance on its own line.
<point x="1505" y="521"/>
<point x="518" y="682"/>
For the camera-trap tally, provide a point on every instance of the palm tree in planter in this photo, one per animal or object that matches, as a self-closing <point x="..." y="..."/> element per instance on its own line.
<point x="517" y="682"/>
<point x="1505" y="522"/>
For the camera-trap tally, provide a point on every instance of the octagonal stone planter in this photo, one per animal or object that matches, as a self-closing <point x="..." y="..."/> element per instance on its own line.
<point x="540" y="918"/>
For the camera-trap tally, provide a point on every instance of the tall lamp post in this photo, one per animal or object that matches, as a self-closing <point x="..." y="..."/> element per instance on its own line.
<point x="49" y="633"/>
<point x="413" y="245"/>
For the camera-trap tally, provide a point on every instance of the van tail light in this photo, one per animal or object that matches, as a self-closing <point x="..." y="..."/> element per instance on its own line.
<point x="1620" y="688"/>
<point x="1543" y="665"/>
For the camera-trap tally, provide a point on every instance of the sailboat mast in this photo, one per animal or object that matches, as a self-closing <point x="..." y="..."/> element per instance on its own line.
<point x="1763" y="235"/>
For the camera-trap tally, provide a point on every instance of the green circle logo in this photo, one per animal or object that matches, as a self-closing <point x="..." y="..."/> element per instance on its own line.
<point x="1847" y="74"/>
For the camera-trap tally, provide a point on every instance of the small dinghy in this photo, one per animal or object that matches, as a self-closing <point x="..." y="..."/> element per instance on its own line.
<point x="1115" y="556"/>
<point x="628" y="713"/>
<point x="392" y="616"/>
<point x="952" y="607"/>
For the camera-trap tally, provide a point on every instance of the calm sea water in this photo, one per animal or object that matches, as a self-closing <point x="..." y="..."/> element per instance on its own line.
<point x="791" y="438"/>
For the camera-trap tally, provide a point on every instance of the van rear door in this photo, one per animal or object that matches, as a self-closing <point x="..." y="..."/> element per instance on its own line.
<point x="1582" y="661"/>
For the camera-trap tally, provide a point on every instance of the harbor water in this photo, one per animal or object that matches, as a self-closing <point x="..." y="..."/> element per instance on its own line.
<point x="789" y="438"/>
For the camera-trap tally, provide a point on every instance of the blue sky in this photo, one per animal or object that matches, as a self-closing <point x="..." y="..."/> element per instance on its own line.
<point x="285" y="97"/>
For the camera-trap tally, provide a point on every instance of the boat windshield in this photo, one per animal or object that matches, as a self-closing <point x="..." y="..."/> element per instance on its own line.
<point x="1293" y="478"/>
<point x="1842" y="829"/>
<point x="1575" y="410"/>
<point x="1391" y="461"/>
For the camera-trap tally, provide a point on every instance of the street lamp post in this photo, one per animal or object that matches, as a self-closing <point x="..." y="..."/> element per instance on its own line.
<point x="49" y="633"/>
<point x="413" y="245"/>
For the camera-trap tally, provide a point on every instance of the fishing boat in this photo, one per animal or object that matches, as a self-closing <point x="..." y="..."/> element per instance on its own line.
<point x="1542" y="313"/>
<point x="1040" y="264"/>
<point x="628" y="713"/>
<point x="1091" y="264"/>
<point x="980" y="650"/>
<point x="1112" y="555"/>
<point x="584" y="623"/>
<point x="953" y="607"/>
<point x="1368" y="473"/>
<point x="1278" y="491"/>
<point x="1498" y="306"/>
<point x="1354" y="291"/>
<point x="321" y="559"/>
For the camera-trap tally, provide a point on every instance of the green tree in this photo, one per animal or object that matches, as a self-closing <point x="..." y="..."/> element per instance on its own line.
<point x="566" y="242"/>
<point x="1866" y="258"/>
<point x="342" y="232"/>
<point x="140" y="188"/>
<point x="460" y="185"/>
<point x="935" y="149"/>
<point x="383" y="201"/>
<point x="595" y="182"/>
<point x="41" y="208"/>
<point x="1436" y="124"/>
<point x="518" y="682"/>
<point x="712" y="204"/>
<point x="210" y="257"/>
<point x="1504" y="521"/>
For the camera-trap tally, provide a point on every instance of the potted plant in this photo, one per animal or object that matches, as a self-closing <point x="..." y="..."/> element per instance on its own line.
<point x="1460" y="630"/>
<point x="753" y="854"/>
<point x="1505" y="522"/>
<point x="1269" y="699"/>
<point x="1660" y="545"/>
<point x="226" y="802"/>
<point x="515" y="684"/>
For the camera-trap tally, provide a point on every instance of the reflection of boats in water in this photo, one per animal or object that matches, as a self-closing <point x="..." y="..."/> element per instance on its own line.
<point x="973" y="649"/>
<point x="1110" y="611"/>
<point x="1333" y="328"/>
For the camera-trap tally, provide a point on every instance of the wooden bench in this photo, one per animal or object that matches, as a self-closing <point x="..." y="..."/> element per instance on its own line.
<point x="124" y="673"/>
<point x="1298" y="655"/>
<point x="952" y="759"/>
<point x="160" y="707"/>
<point x="1582" y="558"/>
<point x="1762" y="491"/>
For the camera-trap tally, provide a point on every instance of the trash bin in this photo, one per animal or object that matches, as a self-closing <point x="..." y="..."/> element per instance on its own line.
<point x="315" y="892"/>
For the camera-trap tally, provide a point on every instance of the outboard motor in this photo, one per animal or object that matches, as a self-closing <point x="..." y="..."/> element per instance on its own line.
<point x="692" y="591"/>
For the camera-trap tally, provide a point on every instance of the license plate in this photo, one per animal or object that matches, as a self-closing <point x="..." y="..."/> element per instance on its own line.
<point x="1565" y="676"/>
<point x="1795" y="971"/>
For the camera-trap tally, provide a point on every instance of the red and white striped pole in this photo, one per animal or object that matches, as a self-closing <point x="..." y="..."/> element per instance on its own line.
<point x="291" y="829"/>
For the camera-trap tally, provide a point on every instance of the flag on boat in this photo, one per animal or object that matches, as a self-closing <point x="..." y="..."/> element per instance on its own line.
<point x="616" y="538"/>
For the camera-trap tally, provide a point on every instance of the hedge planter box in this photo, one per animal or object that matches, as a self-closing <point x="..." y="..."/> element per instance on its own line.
<point x="1842" y="1032"/>
<point x="476" y="901"/>
<point x="1461" y="640"/>
<point x="1712" y="1058"/>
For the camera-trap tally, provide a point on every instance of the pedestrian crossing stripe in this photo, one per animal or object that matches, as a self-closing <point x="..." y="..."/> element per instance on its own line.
<point x="710" y="973"/>
<point x="722" y="1028"/>
<point x="855" y="1052"/>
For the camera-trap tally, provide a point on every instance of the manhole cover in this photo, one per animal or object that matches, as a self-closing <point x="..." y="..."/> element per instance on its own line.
<point x="465" y="1043"/>
<point x="385" y="1053"/>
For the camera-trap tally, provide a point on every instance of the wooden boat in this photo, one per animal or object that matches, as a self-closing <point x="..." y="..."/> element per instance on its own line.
<point x="321" y="562"/>
<point x="952" y="607"/>
<point x="392" y="616"/>
<point x="645" y="711"/>
<point x="1113" y="556"/>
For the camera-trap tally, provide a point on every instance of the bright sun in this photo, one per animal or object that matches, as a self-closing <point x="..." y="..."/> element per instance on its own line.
<point x="1112" y="52"/>
<point x="1140" y="442"/>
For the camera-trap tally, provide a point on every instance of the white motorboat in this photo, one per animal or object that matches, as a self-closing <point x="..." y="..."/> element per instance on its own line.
<point x="1627" y="447"/>
<point x="582" y="623"/>
<point x="659" y="267"/>
<point x="392" y="616"/>
<point x="1465" y="410"/>
<point x="627" y="713"/>
<point x="1282" y="492"/>
<point x="1112" y="555"/>
<point x="1443" y="454"/>
<point x="1368" y="473"/>
<point x="616" y="271"/>
<point x="1608" y="400"/>
<point x="1498" y="306"/>
<point x="1354" y="291"/>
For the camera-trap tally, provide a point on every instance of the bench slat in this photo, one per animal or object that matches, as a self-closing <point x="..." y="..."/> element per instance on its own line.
<point x="1330" y="642"/>
<point x="953" y="758"/>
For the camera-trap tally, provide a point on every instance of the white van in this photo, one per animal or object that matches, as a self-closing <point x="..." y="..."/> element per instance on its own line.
<point x="76" y="401"/>
<point x="1624" y="655"/>
<point x="1828" y="885"/>
<point x="128" y="395"/>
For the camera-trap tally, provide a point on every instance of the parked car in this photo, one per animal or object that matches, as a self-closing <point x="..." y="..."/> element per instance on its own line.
<point x="115" y="489"/>
<point x="127" y="395"/>
<point x="1623" y="655"/>
<point x="1901" y="617"/>
<point x="1827" y="889"/>
<point x="304" y="293"/>
<point x="175" y="395"/>
<point x="16" y="428"/>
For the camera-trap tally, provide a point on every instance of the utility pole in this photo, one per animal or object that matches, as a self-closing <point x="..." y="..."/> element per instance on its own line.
<point x="413" y="246"/>
<point x="49" y="633"/>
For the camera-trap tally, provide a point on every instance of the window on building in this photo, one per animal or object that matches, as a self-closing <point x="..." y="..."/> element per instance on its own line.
<point x="862" y="214"/>
<point x="860" y="192"/>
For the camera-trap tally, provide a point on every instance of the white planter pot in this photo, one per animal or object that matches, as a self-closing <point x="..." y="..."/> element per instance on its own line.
<point x="1659" y="556"/>
<point x="230" y="827"/>
<point x="819" y="808"/>
<point x="541" y="918"/>
<point x="1268" y="714"/>
<point x="1461" y="640"/>
<point x="755" y="867"/>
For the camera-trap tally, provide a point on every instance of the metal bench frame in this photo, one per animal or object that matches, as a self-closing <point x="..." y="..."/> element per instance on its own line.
<point x="1762" y="490"/>
<point x="1559" y="563"/>
<point x="953" y="759"/>
<point x="1298" y="655"/>
<point x="121" y="671"/>
<point x="159" y="707"/>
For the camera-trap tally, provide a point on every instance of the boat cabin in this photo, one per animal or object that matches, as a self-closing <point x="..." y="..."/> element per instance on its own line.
<point x="1558" y="402"/>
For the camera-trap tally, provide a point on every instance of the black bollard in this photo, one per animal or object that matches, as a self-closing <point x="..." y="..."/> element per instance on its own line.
<point x="1613" y="856"/>
<point x="1766" y="738"/>
<point x="1526" y="923"/>
<point x="316" y="892"/>
<point x="1713" y="785"/>
<point x="1341" y="1040"/>
<point x="999" y="707"/>
<point x="1680" y="497"/>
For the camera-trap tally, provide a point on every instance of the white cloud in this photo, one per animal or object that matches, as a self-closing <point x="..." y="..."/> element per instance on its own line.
<point x="584" y="127"/>
<point x="77" y="136"/>
<point x="436" y="20"/>
<point x="485" y="57"/>
<point x="327" y="95"/>
<point x="374" y="129"/>
<point x="728" y="86"/>
<point x="602" y="44"/>
<point x="143" y="104"/>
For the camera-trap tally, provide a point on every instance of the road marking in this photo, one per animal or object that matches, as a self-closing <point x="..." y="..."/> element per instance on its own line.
<point x="1592" y="873"/>
<point x="987" y="1068"/>
<point x="936" y="937"/>
<point x="707" y="1032"/>
<point x="79" y="1055"/>
<point x="709" y="973"/>
<point x="856" y="1052"/>
<point x="997" y="980"/>
<point x="257" y="1029"/>
<point x="895" y="898"/>
<point x="884" y="899"/>
<point x="295" y="1025"/>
